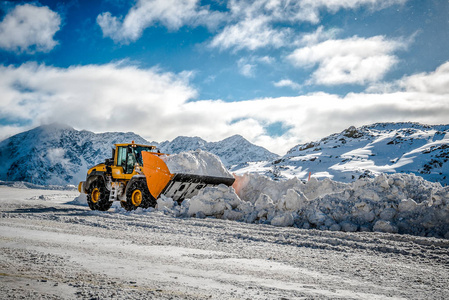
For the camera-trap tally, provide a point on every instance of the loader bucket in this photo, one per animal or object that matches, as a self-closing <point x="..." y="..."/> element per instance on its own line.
<point x="176" y="186"/>
<point x="156" y="172"/>
<point x="188" y="185"/>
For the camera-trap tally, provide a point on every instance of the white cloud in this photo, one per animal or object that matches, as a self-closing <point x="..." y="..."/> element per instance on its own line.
<point x="98" y="97"/>
<point x="434" y="82"/>
<point x="302" y="10"/>
<point x="172" y="14"/>
<point x="158" y="105"/>
<point x="287" y="83"/>
<point x="252" y="24"/>
<point x="251" y="33"/>
<point x="248" y="65"/>
<point x="29" y="28"/>
<point x="247" y="70"/>
<point x="255" y="24"/>
<point x="354" y="60"/>
<point x="309" y="10"/>
<point x="266" y="59"/>
<point x="318" y="36"/>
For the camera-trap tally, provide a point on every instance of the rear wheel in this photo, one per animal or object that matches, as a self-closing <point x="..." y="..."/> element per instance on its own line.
<point x="98" y="195"/>
<point x="138" y="195"/>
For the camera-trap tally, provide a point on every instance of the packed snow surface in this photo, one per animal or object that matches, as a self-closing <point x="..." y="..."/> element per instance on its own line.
<point x="53" y="250"/>
<point x="197" y="162"/>
<point x="384" y="237"/>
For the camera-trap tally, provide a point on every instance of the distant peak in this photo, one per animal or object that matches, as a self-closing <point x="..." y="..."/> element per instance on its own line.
<point x="56" y="126"/>
<point x="352" y="132"/>
<point x="188" y="138"/>
<point x="236" y="137"/>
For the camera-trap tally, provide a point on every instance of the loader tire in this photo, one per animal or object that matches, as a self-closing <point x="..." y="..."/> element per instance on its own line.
<point x="138" y="195"/>
<point x="98" y="195"/>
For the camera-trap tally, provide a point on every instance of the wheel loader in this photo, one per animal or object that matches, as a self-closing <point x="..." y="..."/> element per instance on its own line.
<point x="136" y="176"/>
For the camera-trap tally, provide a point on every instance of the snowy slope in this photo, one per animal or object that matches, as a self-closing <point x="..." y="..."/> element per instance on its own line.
<point x="366" y="151"/>
<point x="58" y="154"/>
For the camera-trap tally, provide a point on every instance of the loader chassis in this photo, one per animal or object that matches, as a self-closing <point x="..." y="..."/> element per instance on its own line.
<point x="136" y="176"/>
<point x="120" y="179"/>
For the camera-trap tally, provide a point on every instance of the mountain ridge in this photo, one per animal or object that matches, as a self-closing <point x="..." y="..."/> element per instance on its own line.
<point x="403" y="147"/>
<point x="58" y="154"/>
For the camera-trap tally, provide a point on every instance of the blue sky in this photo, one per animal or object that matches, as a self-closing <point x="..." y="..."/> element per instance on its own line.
<point x="278" y="72"/>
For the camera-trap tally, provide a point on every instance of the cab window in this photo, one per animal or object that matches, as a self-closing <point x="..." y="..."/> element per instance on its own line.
<point x="130" y="163"/>
<point x="138" y="153"/>
<point x="121" y="157"/>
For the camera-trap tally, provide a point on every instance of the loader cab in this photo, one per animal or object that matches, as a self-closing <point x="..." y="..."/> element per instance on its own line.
<point x="130" y="154"/>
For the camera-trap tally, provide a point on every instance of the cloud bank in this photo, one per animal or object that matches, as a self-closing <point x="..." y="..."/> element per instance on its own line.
<point x="162" y="105"/>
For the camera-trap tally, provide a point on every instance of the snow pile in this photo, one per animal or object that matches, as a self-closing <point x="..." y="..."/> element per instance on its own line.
<point x="251" y="185"/>
<point x="80" y="200"/>
<point x="396" y="203"/>
<point x="164" y="203"/>
<point x="197" y="162"/>
<point x="214" y="201"/>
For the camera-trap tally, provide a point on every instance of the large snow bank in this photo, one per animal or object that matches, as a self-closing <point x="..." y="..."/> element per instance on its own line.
<point x="196" y="162"/>
<point x="397" y="203"/>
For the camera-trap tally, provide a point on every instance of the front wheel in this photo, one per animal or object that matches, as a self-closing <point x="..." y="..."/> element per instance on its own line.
<point x="138" y="195"/>
<point x="98" y="195"/>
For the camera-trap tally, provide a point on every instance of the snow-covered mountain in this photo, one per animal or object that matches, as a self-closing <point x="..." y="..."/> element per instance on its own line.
<point x="58" y="154"/>
<point x="365" y="151"/>
<point x="235" y="150"/>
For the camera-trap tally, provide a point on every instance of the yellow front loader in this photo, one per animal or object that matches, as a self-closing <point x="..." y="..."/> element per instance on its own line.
<point x="136" y="176"/>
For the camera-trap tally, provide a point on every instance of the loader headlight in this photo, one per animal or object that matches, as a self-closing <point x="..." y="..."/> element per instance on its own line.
<point x="138" y="169"/>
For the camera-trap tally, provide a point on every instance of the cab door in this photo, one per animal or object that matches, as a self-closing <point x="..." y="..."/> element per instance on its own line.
<point x="119" y="170"/>
<point x="126" y="159"/>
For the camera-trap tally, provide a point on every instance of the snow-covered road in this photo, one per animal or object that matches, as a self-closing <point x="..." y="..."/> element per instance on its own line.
<point x="53" y="250"/>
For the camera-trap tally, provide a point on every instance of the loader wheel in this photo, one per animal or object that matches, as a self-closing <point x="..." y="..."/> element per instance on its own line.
<point x="98" y="196"/>
<point x="138" y="195"/>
